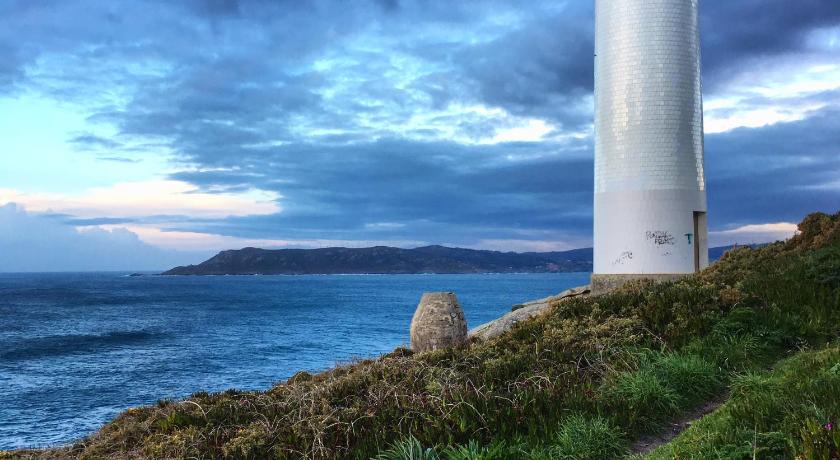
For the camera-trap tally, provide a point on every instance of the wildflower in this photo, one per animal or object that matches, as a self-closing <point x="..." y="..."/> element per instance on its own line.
<point x="829" y="426"/>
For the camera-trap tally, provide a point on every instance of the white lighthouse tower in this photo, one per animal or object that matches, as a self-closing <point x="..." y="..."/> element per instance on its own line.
<point x="650" y="191"/>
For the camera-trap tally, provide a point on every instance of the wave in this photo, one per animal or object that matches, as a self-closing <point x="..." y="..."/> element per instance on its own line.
<point x="59" y="345"/>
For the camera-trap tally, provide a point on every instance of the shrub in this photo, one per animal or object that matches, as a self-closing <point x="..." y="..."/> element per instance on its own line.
<point x="823" y="266"/>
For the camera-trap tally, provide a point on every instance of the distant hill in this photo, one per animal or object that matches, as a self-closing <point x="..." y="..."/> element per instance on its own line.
<point x="388" y="260"/>
<point x="385" y="260"/>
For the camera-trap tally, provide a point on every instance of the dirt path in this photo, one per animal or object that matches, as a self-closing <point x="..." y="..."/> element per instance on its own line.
<point x="649" y="443"/>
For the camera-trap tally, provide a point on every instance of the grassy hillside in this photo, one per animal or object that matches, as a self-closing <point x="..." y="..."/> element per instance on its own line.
<point x="583" y="381"/>
<point x="790" y="410"/>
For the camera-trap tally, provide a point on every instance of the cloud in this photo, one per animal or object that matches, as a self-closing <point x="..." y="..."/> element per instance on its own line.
<point x="119" y="159"/>
<point x="33" y="243"/>
<point x="742" y="33"/>
<point x="752" y="234"/>
<point x="459" y="192"/>
<point x="774" y="173"/>
<point x="148" y="198"/>
<point x="93" y="142"/>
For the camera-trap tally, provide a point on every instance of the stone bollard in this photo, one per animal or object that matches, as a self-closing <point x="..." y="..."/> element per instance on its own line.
<point x="438" y="322"/>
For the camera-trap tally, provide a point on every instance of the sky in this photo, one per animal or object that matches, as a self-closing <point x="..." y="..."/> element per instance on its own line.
<point x="141" y="134"/>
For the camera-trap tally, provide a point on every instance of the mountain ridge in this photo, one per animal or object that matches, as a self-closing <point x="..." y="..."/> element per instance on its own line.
<point x="433" y="259"/>
<point x="381" y="260"/>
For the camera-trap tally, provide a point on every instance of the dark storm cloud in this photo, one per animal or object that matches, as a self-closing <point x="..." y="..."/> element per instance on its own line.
<point x="546" y="52"/>
<point x="739" y="33"/>
<point x="541" y="69"/>
<point x="775" y="173"/>
<point x="466" y="192"/>
<point x="317" y="101"/>
<point x="545" y="67"/>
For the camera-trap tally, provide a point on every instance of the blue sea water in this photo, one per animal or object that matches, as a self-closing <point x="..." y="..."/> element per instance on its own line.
<point x="77" y="349"/>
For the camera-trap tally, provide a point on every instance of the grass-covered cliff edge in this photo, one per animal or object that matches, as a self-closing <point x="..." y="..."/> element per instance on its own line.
<point x="759" y="330"/>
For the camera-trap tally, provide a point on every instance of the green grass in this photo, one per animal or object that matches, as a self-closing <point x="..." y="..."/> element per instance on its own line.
<point x="582" y="381"/>
<point x="694" y="378"/>
<point x="640" y="399"/>
<point x="577" y="437"/>
<point x="581" y="437"/>
<point x="410" y="449"/>
<point x="474" y="451"/>
<point x="781" y="414"/>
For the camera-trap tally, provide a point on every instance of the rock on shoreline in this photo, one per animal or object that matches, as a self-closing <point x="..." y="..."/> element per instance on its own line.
<point x="522" y="312"/>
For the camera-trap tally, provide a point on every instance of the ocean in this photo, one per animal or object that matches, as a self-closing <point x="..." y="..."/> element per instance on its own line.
<point x="76" y="349"/>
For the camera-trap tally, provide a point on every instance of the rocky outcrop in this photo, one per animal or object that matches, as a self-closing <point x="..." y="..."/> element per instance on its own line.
<point x="522" y="312"/>
<point x="438" y="322"/>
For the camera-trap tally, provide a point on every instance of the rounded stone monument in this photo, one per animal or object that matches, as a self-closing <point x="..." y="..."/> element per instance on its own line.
<point x="438" y="322"/>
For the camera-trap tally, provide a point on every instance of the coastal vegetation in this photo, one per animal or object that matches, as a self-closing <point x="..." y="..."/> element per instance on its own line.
<point x="758" y="330"/>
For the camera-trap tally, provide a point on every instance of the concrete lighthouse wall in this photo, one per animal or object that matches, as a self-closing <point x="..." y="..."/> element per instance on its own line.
<point x="650" y="193"/>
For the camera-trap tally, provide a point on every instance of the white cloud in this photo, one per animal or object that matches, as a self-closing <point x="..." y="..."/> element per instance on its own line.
<point x="146" y="198"/>
<point x="756" y="118"/>
<point x="813" y="79"/>
<point x="776" y="93"/>
<point x="753" y="234"/>
<point x="29" y="242"/>
<point x="532" y="130"/>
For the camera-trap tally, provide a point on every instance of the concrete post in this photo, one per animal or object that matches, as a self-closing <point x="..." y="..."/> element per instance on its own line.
<point x="438" y="322"/>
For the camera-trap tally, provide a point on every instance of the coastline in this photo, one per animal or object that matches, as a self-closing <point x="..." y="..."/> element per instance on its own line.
<point x="620" y="366"/>
<point x="270" y="309"/>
